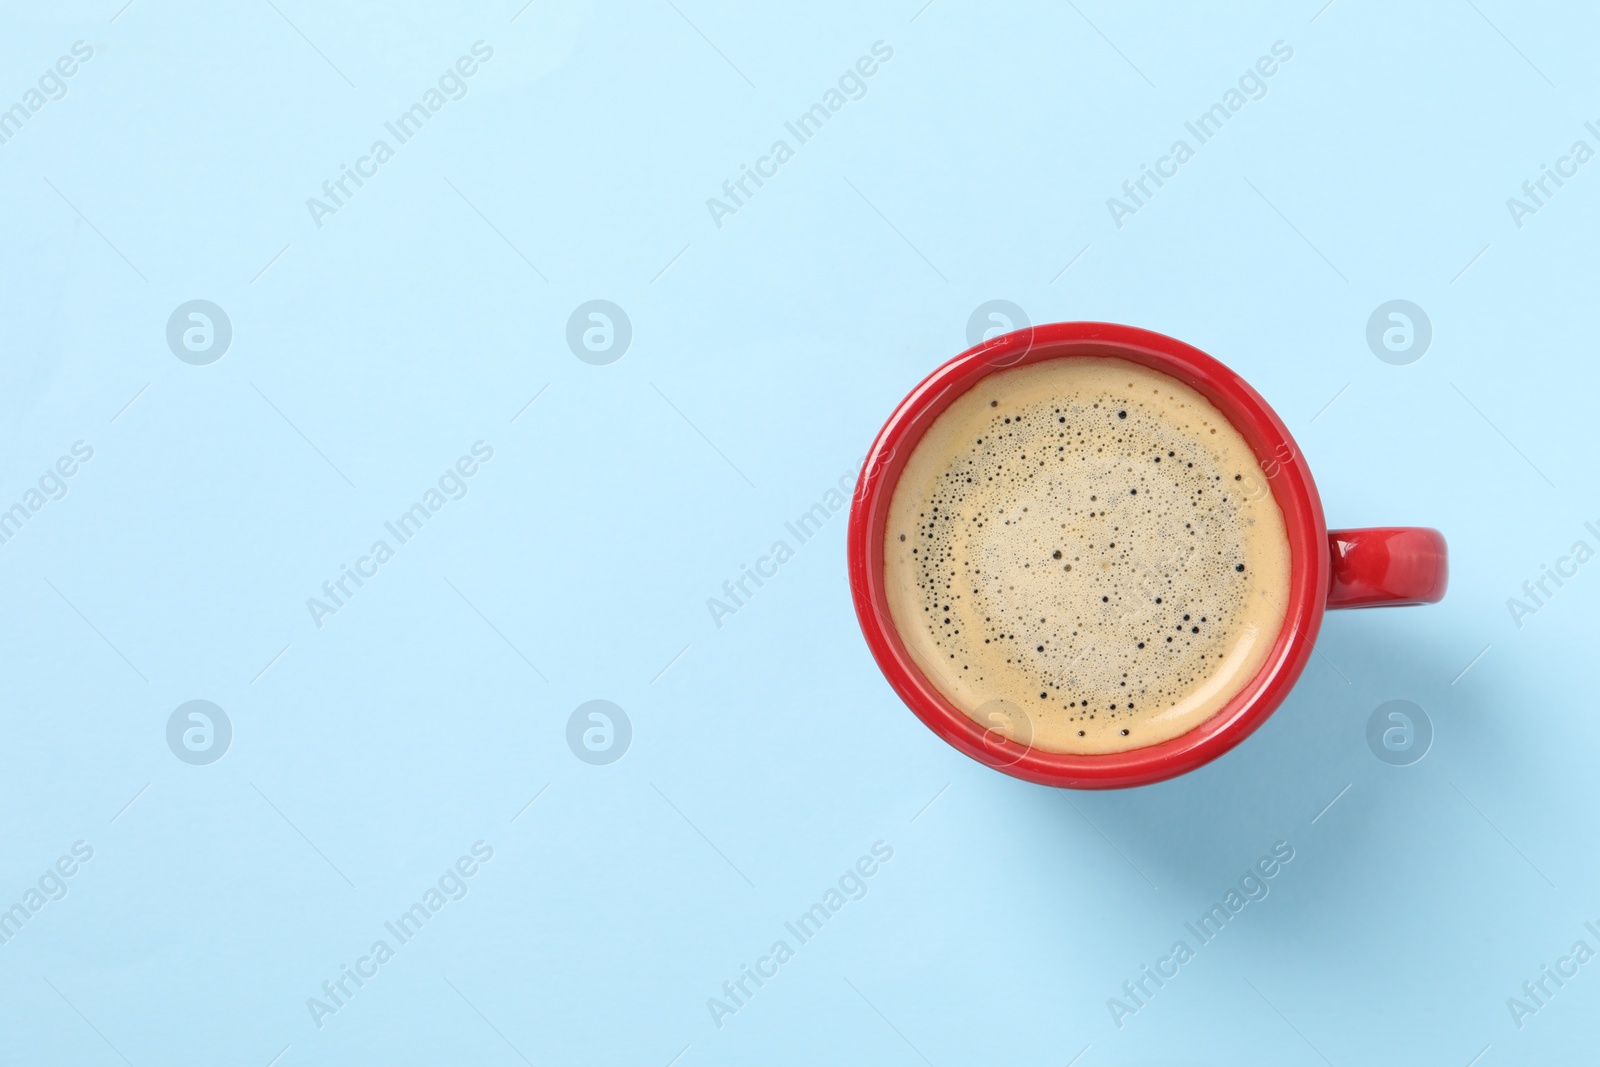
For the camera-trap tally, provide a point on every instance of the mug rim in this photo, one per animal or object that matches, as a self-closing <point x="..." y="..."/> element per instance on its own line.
<point x="1283" y="467"/>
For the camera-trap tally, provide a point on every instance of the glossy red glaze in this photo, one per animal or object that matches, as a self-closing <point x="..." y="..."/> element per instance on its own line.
<point x="1374" y="568"/>
<point x="1387" y="566"/>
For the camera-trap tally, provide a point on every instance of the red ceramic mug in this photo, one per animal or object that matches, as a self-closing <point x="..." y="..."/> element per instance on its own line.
<point x="1382" y="566"/>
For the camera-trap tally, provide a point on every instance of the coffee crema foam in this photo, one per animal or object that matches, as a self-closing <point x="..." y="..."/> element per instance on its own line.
<point x="1081" y="555"/>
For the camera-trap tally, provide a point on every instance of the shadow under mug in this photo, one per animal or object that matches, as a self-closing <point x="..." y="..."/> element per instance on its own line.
<point x="1377" y="567"/>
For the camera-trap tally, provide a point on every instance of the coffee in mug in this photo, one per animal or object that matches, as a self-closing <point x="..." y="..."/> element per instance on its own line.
<point x="1087" y="544"/>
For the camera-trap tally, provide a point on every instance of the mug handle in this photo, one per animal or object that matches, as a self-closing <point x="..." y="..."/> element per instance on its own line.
<point x="1387" y="566"/>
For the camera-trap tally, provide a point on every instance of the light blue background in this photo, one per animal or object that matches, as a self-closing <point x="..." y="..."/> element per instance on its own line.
<point x="767" y="754"/>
